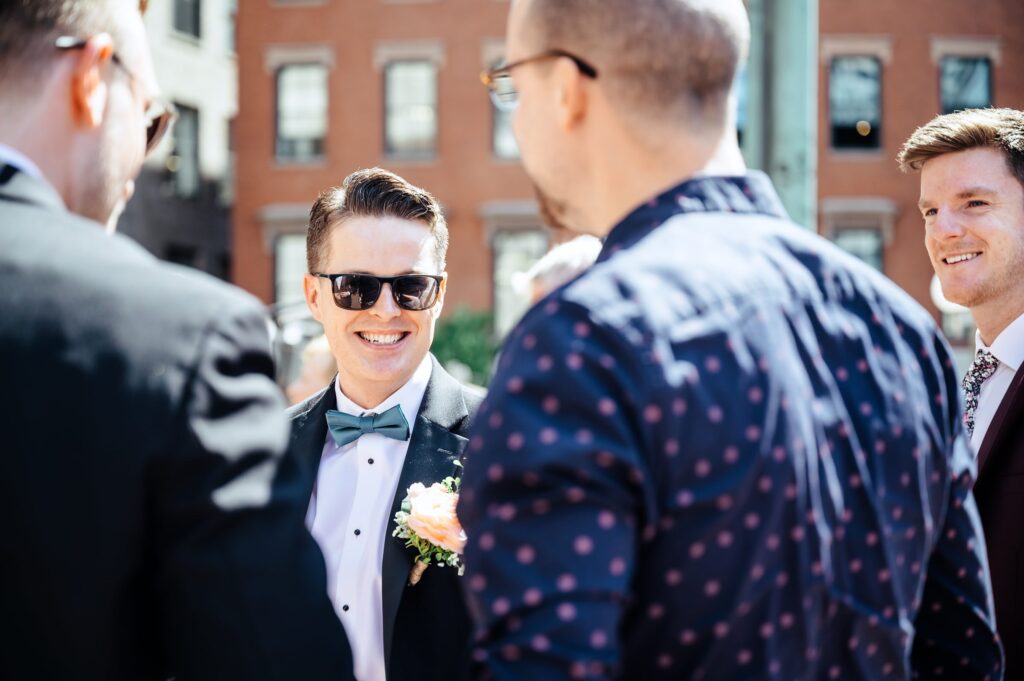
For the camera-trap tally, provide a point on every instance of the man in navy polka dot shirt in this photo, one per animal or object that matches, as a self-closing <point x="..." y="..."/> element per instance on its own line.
<point x="728" y="450"/>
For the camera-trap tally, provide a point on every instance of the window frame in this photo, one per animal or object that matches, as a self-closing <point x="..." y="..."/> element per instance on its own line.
<point x="188" y="32"/>
<point x="990" y="80"/>
<point x="393" y="154"/>
<point x="321" y="153"/>
<point x="878" y="130"/>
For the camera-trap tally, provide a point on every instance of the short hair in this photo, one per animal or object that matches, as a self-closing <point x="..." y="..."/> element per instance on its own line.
<point x="29" y="29"/>
<point x="1001" y="129"/>
<point x="662" y="58"/>
<point x="373" y="192"/>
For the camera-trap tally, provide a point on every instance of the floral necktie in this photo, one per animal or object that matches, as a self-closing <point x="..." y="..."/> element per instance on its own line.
<point x="984" y="365"/>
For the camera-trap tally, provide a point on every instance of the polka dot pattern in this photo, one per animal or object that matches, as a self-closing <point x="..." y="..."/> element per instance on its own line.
<point x="736" y="459"/>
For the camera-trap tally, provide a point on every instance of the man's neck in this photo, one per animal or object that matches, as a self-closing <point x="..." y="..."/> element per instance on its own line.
<point x="638" y="176"/>
<point x="993" y="317"/>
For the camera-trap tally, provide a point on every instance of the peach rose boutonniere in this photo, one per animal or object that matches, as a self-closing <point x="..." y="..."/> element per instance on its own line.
<point x="427" y="523"/>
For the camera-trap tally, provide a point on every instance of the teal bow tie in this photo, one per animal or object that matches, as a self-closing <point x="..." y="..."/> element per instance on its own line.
<point x="346" y="428"/>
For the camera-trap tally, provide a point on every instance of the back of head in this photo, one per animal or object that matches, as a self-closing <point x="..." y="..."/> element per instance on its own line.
<point x="661" y="59"/>
<point x="373" y="192"/>
<point x="1001" y="129"/>
<point x="29" y="29"/>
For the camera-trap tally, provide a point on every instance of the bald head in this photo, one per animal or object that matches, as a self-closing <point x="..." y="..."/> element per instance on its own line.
<point x="662" y="59"/>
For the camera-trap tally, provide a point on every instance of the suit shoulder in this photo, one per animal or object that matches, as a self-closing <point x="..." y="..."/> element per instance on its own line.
<point x="300" y="409"/>
<point x="474" y="396"/>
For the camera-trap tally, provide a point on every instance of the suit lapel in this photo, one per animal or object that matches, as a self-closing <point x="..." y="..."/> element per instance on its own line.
<point x="430" y="458"/>
<point x="309" y="432"/>
<point x="1012" y="404"/>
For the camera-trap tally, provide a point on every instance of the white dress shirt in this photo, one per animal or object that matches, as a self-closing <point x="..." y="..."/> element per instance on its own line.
<point x="1008" y="348"/>
<point x="349" y="517"/>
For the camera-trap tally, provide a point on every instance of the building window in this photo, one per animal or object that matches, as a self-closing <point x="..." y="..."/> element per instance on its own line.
<point x="862" y="242"/>
<point x="184" y="162"/>
<point x="232" y="25"/>
<point x="503" y="141"/>
<point x="289" y="268"/>
<point x="965" y="83"/>
<point x="410" y="109"/>
<point x="301" y="112"/>
<point x="186" y="17"/>
<point x="514" y="251"/>
<point x="740" y="94"/>
<point x="855" y="102"/>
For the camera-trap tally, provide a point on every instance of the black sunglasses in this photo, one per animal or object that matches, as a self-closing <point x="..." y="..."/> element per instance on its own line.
<point x="159" y="113"/>
<point x="413" y="292"/>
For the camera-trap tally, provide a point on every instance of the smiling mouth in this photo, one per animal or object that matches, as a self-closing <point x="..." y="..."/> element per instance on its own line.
<point x="383" y="339"/>
<point x="964" y="257"/>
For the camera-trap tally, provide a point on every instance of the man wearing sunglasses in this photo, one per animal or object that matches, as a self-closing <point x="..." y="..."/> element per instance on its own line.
<point x="728" y="450"/>
<point x="150" y="521"/>
<point x="376" y="250"/>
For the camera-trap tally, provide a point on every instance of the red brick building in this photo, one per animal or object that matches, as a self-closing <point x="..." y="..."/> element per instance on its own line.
<point x="890" y="67"/>
<point x="329" y="86"/>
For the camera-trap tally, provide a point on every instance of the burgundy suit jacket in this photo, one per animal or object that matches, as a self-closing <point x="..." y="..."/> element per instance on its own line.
<point x="1000" y="496"/>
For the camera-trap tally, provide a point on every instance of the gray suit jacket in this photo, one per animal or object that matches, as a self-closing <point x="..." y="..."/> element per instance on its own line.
<point x="151" y="520"/>
<point x="426" y="627"/>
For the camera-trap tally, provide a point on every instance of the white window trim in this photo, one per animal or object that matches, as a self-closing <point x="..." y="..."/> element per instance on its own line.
<point x="279" y="219"/>
<point x="509" y="215"/>
<point x="852" y="209"/>
<point x="850" y="45"/>
<point x="276" y="56"/>
<point x="966" y="46"/>
<point x="389" y="51"/>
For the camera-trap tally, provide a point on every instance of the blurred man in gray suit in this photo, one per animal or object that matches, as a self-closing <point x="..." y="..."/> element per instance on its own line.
<point x="151" y="523"/>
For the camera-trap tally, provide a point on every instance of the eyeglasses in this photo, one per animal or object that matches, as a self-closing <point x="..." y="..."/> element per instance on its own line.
<point x="159" y="113"/>
<point x="413" y="292"/>
<point x="498" y="80"/>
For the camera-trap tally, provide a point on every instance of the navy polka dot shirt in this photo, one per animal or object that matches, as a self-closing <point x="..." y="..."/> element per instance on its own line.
<point x="726" y="451"/>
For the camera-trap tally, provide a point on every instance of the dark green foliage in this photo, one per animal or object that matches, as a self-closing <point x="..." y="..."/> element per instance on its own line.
<point x="467" y="336"/>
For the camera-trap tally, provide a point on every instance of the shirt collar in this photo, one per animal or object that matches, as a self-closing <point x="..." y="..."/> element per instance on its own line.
<point x="409" y="396"/>
<point x="1008" y="347"/>
<point x="12" y="156"/>
<point x="752" y="193"/>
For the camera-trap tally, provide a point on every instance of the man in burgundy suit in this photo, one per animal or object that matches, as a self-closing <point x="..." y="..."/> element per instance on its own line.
<point x="972" y="200"/>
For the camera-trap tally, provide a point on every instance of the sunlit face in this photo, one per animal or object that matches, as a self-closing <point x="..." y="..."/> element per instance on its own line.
<point x="973" y="210"/>
<point x="378" y="349"/>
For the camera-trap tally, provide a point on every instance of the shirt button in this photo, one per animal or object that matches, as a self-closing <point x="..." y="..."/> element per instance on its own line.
<point x="369" y="461"/>
<point x="358" y="532"/>
<point x="345" y="608"/>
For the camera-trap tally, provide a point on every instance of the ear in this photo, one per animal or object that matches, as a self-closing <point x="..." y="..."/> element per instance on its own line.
<point x="88" y="88"/>
<point x="572" y="94"/>
<point x="311" y="289"/>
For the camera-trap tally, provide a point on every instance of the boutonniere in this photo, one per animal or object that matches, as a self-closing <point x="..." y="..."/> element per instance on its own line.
<point x="427" y="523"/>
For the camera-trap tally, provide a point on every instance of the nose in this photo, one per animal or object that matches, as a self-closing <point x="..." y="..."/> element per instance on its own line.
<point x="385" y="308"/>
<point x="945" y="225"/>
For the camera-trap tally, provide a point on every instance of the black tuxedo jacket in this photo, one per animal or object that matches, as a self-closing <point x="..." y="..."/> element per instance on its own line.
<point x="426" y="627"/>
<point x="999" y="491"/>
<point x="150" y="520"/>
